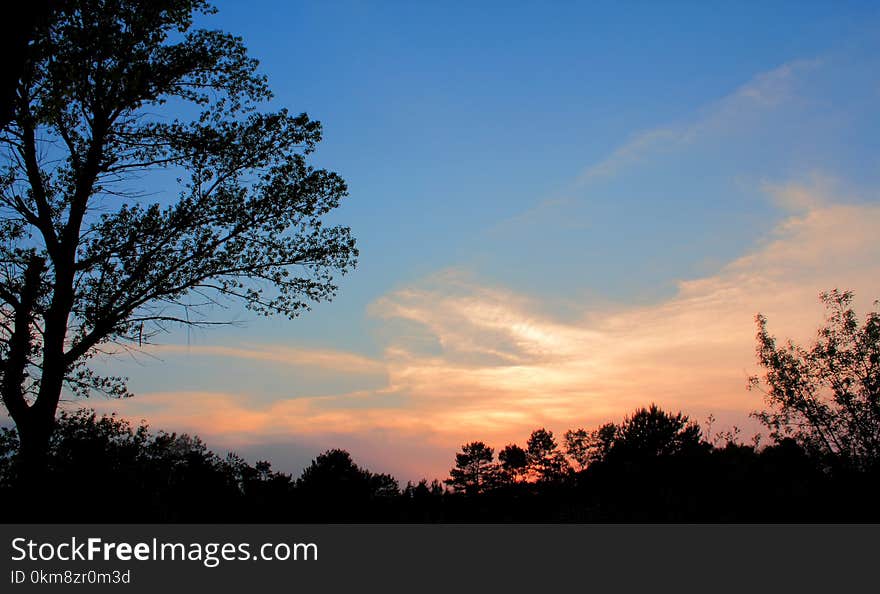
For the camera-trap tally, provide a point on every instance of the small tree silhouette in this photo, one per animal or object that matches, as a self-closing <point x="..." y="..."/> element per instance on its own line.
<point x="474" y="469"/>
<point x="651" y="432"/>
<point x="546" y="462"/>
<point x="578" y="446"/>
<point x="514" y="463"/>
<point x="333" y="475"/>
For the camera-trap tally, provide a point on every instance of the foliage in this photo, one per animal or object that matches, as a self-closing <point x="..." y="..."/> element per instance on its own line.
<point x="826" y="396"/>
<point x="474" y="470"/>
<point x="601" y="441"/>
<point x="125" y="471"/>
<point x="545" y="462"/>
<point x="110" y="470"/>
<point x="112" y="90"/>
<point x="334" y="475"/>
<point x="513" y="462"/>
<point x="577" y="446"/>
<point x="423" y="489"/>
<point x="651" y="432"/>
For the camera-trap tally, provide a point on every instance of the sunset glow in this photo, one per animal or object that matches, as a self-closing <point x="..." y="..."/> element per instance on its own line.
<point x="551" y="253"/>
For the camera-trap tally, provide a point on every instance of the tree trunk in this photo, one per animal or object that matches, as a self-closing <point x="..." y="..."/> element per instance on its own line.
<point x="34" y="432"/>
<point x="37" y="421"/>
<point x="34" y="437"/>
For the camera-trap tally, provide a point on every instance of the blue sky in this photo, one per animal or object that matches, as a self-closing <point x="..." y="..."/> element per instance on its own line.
<point x="570" y="163"/>
<point x="447" y="120"/>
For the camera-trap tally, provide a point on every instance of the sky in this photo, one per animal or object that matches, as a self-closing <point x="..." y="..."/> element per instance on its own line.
<point x="564" y="211"/>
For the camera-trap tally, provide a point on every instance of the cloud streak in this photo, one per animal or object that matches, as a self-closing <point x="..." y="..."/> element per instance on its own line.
<point x="464" y="359"/>
<point x="481" y="362"/>
<point x="765" y="91"/>
<point x="742" y="110"/>
<point x="336" y="360"/>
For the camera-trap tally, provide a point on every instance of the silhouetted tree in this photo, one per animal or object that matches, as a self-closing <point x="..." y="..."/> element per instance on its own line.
<point x="333" y="481"/>
<point x="8" y="457"/>
<point x="112" y="470"/>
<point x="384" y="485"/>
<point x="577" y="446"/>
<point x="546" y="462"/>
<point x="423" y="489"/>
<point x="265" y="492"/>
<point x="86" y="261"/>
<point x="109" y="469"/>
<point x="22" y="22"/>
<point x="474" y="469"/>
<point x="514" y="463"/>
<point x="827" y="396"/>
<point x="601" y="441"/>
<point x="333" y="474"/>
<point x="651" y="432"/>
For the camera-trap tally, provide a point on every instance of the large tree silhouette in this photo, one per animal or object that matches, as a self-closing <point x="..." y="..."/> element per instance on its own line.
<point x="86" y="260"/>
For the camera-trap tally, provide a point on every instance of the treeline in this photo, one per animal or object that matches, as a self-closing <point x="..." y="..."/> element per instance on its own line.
<point x="104" y="469"/>
<point x="653" y="466"/>
<point x="657" y="466"/>
<point x="648" y="434"/>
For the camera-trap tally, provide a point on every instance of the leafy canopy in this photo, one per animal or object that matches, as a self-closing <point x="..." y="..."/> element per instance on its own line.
<point x="114" y="90"/>
<point x="826" y="396"/>
<point x="474" y="470"/>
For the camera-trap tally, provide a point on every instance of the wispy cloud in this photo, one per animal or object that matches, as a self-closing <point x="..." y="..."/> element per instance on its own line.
<point x="743" y="109"/>
<point x="500" y="366"/>
<point x="765" y="91"/>
<point x="339" y="361"/>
